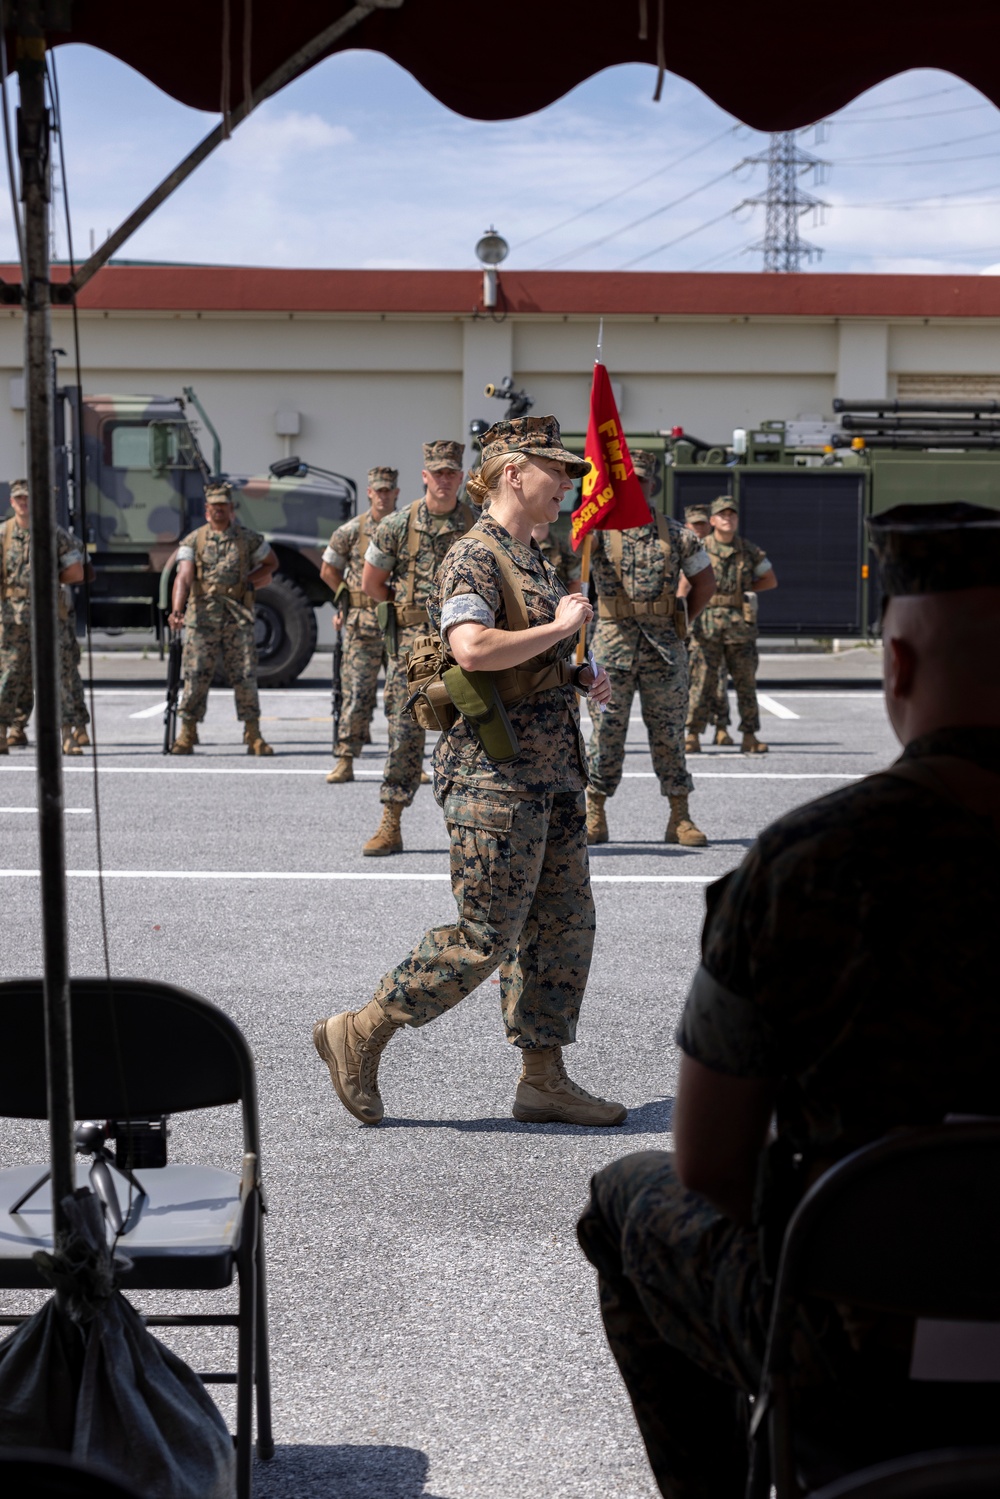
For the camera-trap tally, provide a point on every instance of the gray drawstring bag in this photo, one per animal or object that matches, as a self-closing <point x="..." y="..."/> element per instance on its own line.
<point x="84" y="1376"/>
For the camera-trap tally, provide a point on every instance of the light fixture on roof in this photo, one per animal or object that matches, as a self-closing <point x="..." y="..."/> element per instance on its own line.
<point x="490" y="251"/>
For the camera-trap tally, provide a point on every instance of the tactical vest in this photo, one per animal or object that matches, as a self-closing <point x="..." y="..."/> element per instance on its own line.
<point x="744" y="577"/>
<point x="667" y="606"/>
<point x="410" y="614"/>
<point x="238" y="591"/>
<point x="18" y="593"/>
<point x="430" y="704"/>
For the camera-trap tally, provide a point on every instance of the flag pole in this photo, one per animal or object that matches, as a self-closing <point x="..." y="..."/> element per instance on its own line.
<point x="581" y="644"/>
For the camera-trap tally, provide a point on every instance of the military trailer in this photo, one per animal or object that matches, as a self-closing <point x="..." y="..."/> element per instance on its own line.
<point x="130" y="480"/>
<point x="805" y="487"/>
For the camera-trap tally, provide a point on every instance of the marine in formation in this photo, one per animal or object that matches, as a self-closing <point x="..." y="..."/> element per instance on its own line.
<point x="512" y="791"/>
<point x="16" y="689"/>
<point x="696" y="519"/>
<point x="726" y="632"/>
<point x="219" y="566"/>
<point x="640" y="641"/>
<point x="364" y="649"/>
<point x="401" y="571"/>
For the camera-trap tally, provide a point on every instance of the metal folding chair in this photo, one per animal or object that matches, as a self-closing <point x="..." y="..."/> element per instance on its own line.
<point x="908" y="1227"/>
<point x="141" y="1050"/>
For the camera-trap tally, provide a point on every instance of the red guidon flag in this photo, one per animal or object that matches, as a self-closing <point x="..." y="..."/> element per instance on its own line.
<point x="612" y="497"/>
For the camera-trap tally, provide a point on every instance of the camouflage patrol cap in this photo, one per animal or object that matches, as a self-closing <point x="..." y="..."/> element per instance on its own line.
<point x="18" y="486"/>
<point x="383" y="478"/>
<point x="936" y="548"/>
<point x="645" y="463"/>
<point x="696" y="512"/>
<point x="219" y="492"/>
<point x="537" y="435"/>
<point x="724" y="502"/>
<point x="443" y="454"/>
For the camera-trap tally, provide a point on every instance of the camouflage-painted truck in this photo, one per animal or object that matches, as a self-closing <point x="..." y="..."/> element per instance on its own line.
<point x="143" y="475"/>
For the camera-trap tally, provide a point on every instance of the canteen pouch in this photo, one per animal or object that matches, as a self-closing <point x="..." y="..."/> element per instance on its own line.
<point x="386" y="615"/>
<point x="750" y="608"/>
<point x="475" y="695"/>
<point x="428" y="703"/>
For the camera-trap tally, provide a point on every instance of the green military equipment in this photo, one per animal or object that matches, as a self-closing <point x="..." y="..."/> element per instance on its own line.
<point x="386" y="616"/>
<point x="477" y="699"/>
<point x="145" y="478"/>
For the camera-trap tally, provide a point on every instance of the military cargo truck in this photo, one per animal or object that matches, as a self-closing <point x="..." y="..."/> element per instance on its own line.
<point x="130" y="480"/>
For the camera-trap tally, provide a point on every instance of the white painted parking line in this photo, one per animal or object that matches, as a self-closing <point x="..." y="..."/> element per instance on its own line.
<point x="68" y="811"/>
<point x="417" y="877"/>
<point x="149" y="712"/>
<point x="267" y="768"/>
<point x="770" y="705"/>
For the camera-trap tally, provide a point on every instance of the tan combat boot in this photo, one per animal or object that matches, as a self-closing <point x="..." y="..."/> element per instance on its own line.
<point x="388" y="836"/>
<point x="752" y="745"/>
<point x="680" y="828"/>
<point x="17" y="737"/>
<point x="692" y="744"/>
<point x="80" y="735"/>
<point x="597" y="822"/>
<point x="69" y="744"/>
<point x="3" y="739"/>
<point x="256" y="745"/>
<point x="545" y="1095"/>
<point x="342" y="771"/>
<point x="721" y="737"/>
<point x="350" y="1045"/>
<point x="187" y="738"/>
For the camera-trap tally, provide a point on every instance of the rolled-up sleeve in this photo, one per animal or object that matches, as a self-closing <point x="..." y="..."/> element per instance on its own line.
<point x="762" y="567"/>
<point x="259" y="553"/>
<point x="335" y="559"/>
<point x="185" y="554"/>
<point x="384" y="561"/>
<point x="462" y="608"/>
<point x="696" y="563"/>
<point x="724" y="1031"/>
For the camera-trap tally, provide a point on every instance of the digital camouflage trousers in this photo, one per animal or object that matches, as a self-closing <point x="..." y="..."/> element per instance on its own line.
<point x="725" y="643"/>
<point x="663" y="697"/>
<point x="360" y="666"/>
<point x="17" y="693"/>
<point x="214" y="636"/>
<point x="719" y="715"/>
<point x="521" y="880"/>
<point x="685" y="1312"/>
<point x="407" y="739"/>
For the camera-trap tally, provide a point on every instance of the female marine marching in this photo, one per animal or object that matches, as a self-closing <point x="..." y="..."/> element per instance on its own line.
<point x="517" y="821"/>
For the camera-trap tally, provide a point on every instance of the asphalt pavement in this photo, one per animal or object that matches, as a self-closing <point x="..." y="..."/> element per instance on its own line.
<point x="435" y="1328"/>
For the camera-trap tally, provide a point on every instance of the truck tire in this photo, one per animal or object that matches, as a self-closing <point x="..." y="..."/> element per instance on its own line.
<point x="285" y="632"/>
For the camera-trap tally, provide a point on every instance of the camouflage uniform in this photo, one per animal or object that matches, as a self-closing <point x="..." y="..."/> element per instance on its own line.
<point x="563" y="562"/>
<point x="642" y="652"/>
<point x="724" y="637"/>
<point x="718" y="714"/>
<point x="519" y="867"/>
<point x="219" y="625"/>
<point x="364" y="652"/>
<point x="16" y="689"/>
<point x="805" y="979"/>
<point x="389" y="551"/>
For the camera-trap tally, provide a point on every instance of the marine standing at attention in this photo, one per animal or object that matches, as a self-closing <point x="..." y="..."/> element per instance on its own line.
<point x="402" y="565"/>
<point x="515" y="815"/>
<point x="16" y="688"/>
<point x="696" y="519"/>
<point x="219" y="566"/>
<point x="364" y="649"/>
<point x="726" y="633"/>
<point x="640" y="640"/>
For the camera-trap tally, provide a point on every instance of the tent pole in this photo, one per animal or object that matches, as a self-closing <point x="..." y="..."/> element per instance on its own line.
<point x="33" y="151"/>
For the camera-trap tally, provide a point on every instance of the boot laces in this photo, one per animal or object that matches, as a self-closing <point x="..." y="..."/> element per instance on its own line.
<point x="570" y="1086"/>
<point x="370" y="1051"/>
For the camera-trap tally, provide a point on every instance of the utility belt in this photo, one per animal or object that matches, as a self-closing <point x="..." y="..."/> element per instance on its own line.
<point x="408" y="615"/>
<point x="238" y="591"/>
<point x="20" y="595"/>
<point x="440" y="694"/>
<point x="359" y="600"/>
<point x="667" y="606"/>
<point x="743" y="601"/>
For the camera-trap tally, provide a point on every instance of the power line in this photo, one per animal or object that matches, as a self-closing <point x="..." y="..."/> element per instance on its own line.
<point x="910" y="99"/>
<point x="627" y="266"/>
<point x="785" y="202"/>
<point x="929" y="114"/>
<point x="621" y="193"/>
<point x="960" y="140"/>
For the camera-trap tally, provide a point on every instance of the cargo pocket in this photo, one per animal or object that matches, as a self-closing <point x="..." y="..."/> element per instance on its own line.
<point x="480" y="828"/>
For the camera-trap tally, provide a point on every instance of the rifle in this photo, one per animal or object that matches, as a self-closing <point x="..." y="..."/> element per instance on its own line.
<point x="174" y="652"/>
<point x="341" y="600"/>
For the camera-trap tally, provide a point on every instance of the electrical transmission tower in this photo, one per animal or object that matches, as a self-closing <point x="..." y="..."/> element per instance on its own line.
<point x="785" y="202"/>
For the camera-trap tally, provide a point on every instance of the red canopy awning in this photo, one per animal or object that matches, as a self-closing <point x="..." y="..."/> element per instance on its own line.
<point x="775" y="67"/>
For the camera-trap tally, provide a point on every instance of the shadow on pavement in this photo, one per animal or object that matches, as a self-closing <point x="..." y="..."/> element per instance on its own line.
<point x="653" y="1118"/>
<point x="344" y="1472"/>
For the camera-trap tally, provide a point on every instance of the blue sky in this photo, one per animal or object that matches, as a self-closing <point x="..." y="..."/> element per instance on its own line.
<point x="355" y="165"/>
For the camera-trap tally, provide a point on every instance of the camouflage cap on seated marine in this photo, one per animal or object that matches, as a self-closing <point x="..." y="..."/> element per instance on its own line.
<point x="383" y="478"/>
<point x="537" y="435"/>
<point x="443" y="454"/>
<point x="696" y="513"/>
<point x="724" y="502"/>
<point x="219" y="492"/>
<point x="645" y="463"/>
<point x="936" y="548"/>
<point x="18" y="486"/>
